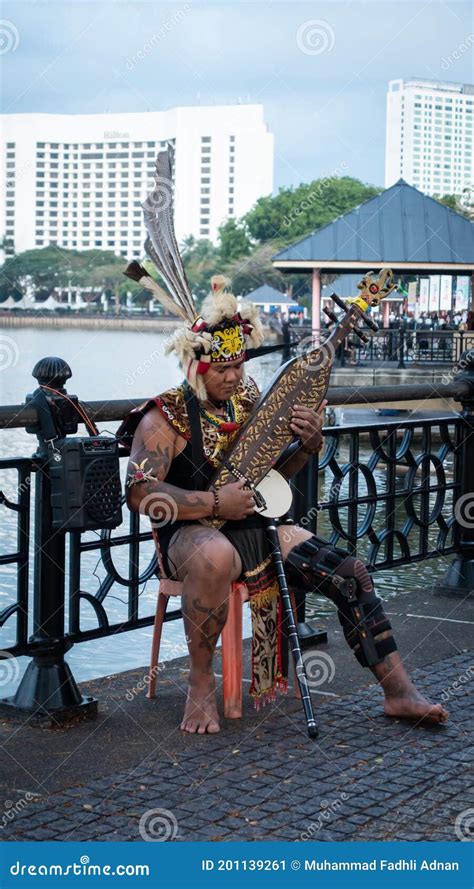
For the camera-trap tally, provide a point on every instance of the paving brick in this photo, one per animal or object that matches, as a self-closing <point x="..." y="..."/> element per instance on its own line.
<point x="274" y="787"/>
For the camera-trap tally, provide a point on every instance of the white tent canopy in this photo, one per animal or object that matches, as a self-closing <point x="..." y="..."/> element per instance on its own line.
<point x="49" y="304"/>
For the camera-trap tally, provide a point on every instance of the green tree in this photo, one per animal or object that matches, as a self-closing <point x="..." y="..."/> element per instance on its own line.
<point x="463" y="203"/>
<point x="233" y="241"/>
<point x="201" y="260"/>
<point x="295" y="212"/>
<point x="249" y="272"/>
<point x="53" y="267"/>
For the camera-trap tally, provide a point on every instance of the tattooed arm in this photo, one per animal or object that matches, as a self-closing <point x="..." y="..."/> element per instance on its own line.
<point x="155" y="441"/>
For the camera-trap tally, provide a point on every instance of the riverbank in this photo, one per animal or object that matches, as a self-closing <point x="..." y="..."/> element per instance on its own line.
<point x="90" y="322"/>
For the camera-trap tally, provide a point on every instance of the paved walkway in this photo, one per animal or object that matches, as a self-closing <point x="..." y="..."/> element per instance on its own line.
<point x="133" y="774"/>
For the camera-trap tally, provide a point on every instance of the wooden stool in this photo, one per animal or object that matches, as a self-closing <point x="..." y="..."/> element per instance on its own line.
<point x="231" y="642"/>
<point x="231" y="638"/>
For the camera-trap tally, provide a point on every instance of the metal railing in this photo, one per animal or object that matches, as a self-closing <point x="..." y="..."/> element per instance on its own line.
<point x="397" y="492"/>
<point x="402" y="347"/>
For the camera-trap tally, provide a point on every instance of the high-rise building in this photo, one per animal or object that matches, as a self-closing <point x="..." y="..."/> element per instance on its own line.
<point x="429" y="135"/>
<point x="77" y="180"/>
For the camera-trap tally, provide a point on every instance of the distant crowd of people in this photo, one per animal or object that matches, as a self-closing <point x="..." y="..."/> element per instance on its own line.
<point x="432" y="321"/>
<point x="414" y="330"/>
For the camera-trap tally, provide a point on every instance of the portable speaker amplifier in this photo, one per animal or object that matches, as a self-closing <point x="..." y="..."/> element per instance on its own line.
<point x="86" y="491"/>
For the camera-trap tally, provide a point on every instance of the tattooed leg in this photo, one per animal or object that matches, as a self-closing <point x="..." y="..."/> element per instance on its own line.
<point x="207" y="563"/>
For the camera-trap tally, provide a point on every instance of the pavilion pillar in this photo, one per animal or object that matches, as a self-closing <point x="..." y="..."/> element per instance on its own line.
<point x="316" y="301"/>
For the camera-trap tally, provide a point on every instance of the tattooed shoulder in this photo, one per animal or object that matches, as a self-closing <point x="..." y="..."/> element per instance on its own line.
<point x="154" y="441"/>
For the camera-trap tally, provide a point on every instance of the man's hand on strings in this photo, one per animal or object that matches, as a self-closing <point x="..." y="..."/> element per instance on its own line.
<point x="307" y="423"/>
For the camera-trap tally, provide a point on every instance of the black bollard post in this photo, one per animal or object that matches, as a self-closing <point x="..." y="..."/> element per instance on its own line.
<point x="459" y="579"/>
<point x="48" y="691"/>
<point x="401" y="347"/>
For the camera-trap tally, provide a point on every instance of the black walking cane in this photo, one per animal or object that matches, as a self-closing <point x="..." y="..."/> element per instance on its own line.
<point x="273" y="538"/>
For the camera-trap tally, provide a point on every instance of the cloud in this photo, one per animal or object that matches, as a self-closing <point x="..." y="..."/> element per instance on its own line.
<point x="72" y="58"/>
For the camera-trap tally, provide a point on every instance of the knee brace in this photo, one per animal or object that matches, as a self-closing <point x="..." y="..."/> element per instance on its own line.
<point x="316" y="565"/>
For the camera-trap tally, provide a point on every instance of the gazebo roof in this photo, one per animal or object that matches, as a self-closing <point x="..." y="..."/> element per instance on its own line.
<point x="267" y="294"/>
<point x="400" y="228"/>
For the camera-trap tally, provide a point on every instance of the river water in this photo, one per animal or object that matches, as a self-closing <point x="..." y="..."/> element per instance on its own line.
<point x="117" y="365"/>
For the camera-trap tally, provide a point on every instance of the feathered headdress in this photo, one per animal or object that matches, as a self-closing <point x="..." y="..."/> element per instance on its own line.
<point x="220" y="332"/>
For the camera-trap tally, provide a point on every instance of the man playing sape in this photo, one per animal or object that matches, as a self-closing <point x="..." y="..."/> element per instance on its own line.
<point x="165" y="483"/>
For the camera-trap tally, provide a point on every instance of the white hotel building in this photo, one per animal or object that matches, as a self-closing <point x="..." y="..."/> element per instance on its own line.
<point x="77" y="180"/>
<point x="429" y="135"/>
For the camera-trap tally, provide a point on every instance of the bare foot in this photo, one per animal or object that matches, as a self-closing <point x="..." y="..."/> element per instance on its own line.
<point x="200" y="713"/>
<point x="412" y="705"/>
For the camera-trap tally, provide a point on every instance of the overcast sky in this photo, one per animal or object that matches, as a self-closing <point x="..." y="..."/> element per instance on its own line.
<point x="320" y="69"/>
